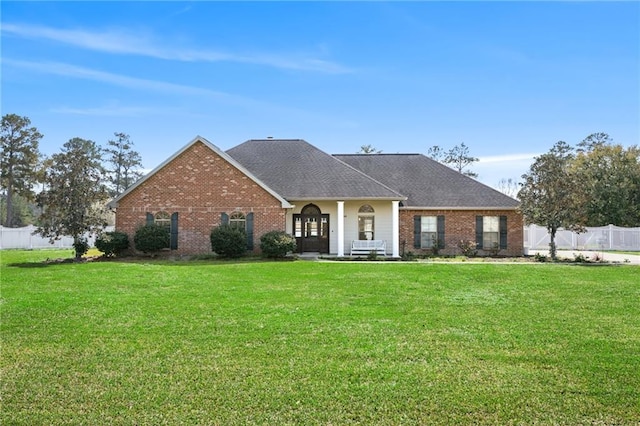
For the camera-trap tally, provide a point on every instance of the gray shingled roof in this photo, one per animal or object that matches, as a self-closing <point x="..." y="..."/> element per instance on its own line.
<point x="427" y="183"/>
<point x="297" y="170"/>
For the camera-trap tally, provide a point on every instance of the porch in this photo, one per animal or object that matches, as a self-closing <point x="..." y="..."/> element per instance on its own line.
<point x="330" y="227"/>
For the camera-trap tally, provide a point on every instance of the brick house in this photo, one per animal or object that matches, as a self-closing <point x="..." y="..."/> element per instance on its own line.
<point x="408" y="202"/>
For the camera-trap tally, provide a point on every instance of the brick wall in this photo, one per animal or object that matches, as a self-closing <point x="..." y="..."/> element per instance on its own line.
<point x="461" y="225"/>
<point x="199" y="185"/>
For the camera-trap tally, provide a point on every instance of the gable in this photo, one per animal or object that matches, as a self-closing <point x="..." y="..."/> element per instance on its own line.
<point x="198" y="173"/>
<point x="427" y="183"/>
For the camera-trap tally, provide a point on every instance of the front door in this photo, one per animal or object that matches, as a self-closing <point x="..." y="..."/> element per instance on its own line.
<point x="311" y="229"/>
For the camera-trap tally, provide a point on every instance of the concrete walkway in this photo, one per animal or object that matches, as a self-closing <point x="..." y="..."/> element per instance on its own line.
<point x="633" y="259"/>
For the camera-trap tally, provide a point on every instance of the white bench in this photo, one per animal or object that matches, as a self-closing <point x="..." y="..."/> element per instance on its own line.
<point x="365" y="247"/>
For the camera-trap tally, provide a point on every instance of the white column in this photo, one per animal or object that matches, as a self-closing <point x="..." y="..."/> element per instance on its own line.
<point x="340" y="223"/>
<point x="395" y="228"/>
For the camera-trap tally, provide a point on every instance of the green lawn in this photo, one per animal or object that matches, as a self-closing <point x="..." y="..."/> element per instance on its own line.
<point x="162" y="342"/>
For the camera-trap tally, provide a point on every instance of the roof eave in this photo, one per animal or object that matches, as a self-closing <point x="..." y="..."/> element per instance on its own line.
<point x="459" y="208"/>
<point x="346" y="198"/>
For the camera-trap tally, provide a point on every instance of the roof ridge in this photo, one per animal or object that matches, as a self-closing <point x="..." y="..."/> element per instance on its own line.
<point x="376" y="153"/>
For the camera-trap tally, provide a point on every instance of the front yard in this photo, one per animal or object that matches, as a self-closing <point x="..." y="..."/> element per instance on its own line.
<point x="201" y="342"/>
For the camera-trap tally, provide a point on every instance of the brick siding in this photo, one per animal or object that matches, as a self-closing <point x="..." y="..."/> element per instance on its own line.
<point x="199" y="185"/>
<point x="461" y="225"/>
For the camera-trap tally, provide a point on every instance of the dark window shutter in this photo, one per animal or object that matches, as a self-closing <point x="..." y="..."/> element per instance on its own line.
<point x="249" y="219"/>
<point x="224" y="219"/>
<point x="417" y="220"/>
<point x="503" y="232"/>
<point x="479" y="232"/>
<point x="440" y="231"/>
<point x="173" y="241"/>
<point x="150" y="219"/>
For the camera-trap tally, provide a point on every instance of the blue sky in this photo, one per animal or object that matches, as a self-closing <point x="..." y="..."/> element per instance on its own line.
<point x="508" y="79"/>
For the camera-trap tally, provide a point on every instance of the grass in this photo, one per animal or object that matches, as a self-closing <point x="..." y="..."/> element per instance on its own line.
<point x="226" y="343"/>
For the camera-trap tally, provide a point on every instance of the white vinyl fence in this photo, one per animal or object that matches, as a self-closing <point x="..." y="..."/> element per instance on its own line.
<point x="24" y="238"/>
<point x="598" y="238"/>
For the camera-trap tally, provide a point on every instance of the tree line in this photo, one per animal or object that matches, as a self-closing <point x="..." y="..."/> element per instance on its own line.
<point x="69" y="190"/>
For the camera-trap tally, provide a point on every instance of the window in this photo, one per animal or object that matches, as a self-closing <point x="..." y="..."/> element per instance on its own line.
<point x="490" y="232"/>
<point x="366" y="222"/>
<point x="170" y="223"/>
<point x="163" y="219"/>
<point x="427" y="231"/>
<point x="298" y="227"/>
<point x="238" y="220"/>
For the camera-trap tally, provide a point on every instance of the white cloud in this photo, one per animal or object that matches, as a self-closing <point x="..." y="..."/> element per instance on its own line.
<point x="122" y="42"/>
<point x="115" y="110"/>
<point x="67" y="70"/>
<point x="155" y="86"/>
<point x="508" y="158"/>
<point x="507" y="166"/>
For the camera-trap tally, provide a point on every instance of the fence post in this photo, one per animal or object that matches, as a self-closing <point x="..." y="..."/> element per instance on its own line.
<point x="610" y="236"/>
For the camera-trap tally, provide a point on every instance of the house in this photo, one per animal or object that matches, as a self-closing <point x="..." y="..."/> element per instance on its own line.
<point x="330" y="203"/>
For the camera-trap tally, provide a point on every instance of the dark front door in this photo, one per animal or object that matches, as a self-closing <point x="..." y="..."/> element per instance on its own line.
<point x="311" y="229"/>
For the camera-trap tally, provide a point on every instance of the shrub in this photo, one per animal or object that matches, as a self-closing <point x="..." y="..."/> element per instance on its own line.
<point x="468" y="248"/>
<point x="435" y="246"/>
<point x="151" y="238"/>
<point x="277" y="244"/>
<point x="228" y="241"/>
<point x="112" y="243"/>
<point x="495" y="249"/>
<point x="80" y="246"/>
<point x="579" y="258"/>
<point x="540" y="257"/>
<point x="408" y="256"/>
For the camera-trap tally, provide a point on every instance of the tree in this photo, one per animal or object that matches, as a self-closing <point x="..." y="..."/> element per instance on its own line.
<point x="610" y="181"/>
<point x="457" y="158"/>
<point x="18" y="160"/>
<point x="23" y="210"/>
<point x="593" y="141"/>
<point x="74" y="196"/>
<point x="508" y="187"/>
<point x="368" y="149"/>
<point x="124" y="163"/>
<point x="436" y="153"/>
<point x="549" y="195"/>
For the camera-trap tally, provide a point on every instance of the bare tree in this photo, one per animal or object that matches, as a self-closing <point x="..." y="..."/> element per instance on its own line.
<point x="509" y="187"/>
